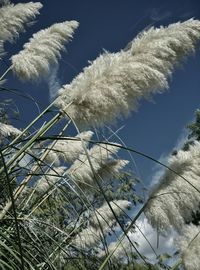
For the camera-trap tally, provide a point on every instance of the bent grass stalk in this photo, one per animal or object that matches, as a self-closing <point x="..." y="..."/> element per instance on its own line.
<point x="14" y="160"/>
<point x="14" y="212"/>
<point x="141" y="210"/>
<point x="35" y="168"/>
<point x="35" y="119"/>
<point x="7" y="168"/>
<point x="5" y="73"/>
<point x="105" y="197"/>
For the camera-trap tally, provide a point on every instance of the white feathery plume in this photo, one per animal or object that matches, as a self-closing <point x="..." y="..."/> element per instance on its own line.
<point x="49" y="179"/>
<point x="14" y="17"/>
<point x="114" y="83"/>
<point x="112" y="168"/>
<point x="69" y="150"/>
<point x="52" y="158"/>
<point x="174" y="199"/>
<point x="104" y="216"/>
<point x="42" y="51"/>
<point x="8" y="130"/>
<point x="87" y="237"/>
<point x="189" y="244"/>
<point x="81" y="172"/>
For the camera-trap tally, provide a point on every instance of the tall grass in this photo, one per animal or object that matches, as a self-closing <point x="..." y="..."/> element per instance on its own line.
<point x="72" y="202"/>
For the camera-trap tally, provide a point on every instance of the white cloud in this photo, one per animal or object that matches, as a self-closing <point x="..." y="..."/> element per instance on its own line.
<point x="149" y="243"/>
<point x="158" y="170"/>
<point x="181" y="139"/>
<point x="160" y="244"/>
<point x="25" y="161"/>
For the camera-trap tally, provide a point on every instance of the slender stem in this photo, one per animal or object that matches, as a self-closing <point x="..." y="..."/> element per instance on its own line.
<point x="176" y="265"/>
<point x="105" y="197"/>
<point x="13" y="161"/>
<point x="14" y="211"/>
<point x="35" y="168"/>
<point x="45" y="128"/>
<point x="31" y="124"/>
<point x="103" y="265"/>
<point x="5" y="73"/>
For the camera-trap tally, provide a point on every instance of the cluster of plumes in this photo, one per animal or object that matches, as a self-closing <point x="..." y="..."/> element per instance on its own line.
<point x="104" y="216"/>
<point x="42" y="51"/>
<point x="68" y="150"/>
<point x="8" y="130"/>
<point x="114" y="83"/>
<point x="13" y="18"/>
<point x="176" y="195"/>
<point x="49" y="179"/>
<point x="101" y="223"/>
<point x="85" y="172"/>
<point x="188" y="242"/>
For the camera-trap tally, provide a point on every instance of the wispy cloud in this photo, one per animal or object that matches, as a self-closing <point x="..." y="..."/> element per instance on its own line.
<point x="158" y="170"/>
<point x="53" y="82"/>
<point x="157" y="14"/>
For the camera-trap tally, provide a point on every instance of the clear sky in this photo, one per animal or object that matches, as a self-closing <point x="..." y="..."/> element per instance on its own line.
<point x="110" y="25"/>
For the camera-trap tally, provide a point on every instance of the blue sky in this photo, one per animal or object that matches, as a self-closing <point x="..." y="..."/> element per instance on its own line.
<point x="110" y="25"/>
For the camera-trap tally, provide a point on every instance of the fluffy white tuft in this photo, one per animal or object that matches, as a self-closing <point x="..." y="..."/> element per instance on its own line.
<point x="49" y="179"/>
<point x="112" y="168"/>
<point x="188" y="243"/>
<point x="87" y="238"/>
<point x="42" y="51"/>
<point x="69" y="150"/>
<point x="14" y="17"/>
<point x="174" y="199"/>
<point x="8" y="130"/>
<point x="114" y="83"/>
<point x="81" y="172"/>
<point x="101" y="222"/>
<point x="104" y="217"/>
